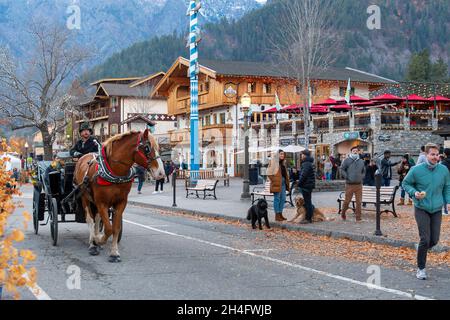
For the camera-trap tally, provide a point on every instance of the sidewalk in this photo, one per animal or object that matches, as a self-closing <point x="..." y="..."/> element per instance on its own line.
<point x="398" y="232"/>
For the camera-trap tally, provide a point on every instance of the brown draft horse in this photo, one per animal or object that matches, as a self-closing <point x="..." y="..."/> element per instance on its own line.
<point x="119" y="153"/>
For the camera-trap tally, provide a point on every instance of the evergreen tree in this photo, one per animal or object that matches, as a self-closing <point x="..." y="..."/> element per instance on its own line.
<point x="419" y="67"/>
<point x="439" y="71"/>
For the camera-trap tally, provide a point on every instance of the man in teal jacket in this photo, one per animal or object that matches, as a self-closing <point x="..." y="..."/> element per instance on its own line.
<point x="429" y="185"/>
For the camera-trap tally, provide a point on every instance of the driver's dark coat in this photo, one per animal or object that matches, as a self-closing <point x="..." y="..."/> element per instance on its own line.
<point x="84" y="148"/>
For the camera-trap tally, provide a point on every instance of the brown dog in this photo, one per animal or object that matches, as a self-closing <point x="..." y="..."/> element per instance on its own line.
<point x="301" y="212"/>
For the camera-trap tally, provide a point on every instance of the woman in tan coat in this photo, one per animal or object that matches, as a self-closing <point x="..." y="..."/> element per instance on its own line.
<point x="279" y="182"/>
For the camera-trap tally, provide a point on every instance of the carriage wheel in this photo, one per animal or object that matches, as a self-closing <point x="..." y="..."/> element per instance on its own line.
<point x="54" y="220"/>
<point x="36" y="196"/>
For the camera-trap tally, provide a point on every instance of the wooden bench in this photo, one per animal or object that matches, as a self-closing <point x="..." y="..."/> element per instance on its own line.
<point x="264" y="193"/>
<point x="203" y="186"/>
<point x="387" y="197"/>
<point x="209" y="174"/>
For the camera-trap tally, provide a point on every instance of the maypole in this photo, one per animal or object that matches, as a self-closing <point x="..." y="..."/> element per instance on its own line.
<point x="194" y="39"/>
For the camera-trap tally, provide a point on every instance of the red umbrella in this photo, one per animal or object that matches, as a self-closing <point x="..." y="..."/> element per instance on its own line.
<point x="439" y="99"/>
<point x="341" y="107"/>
<point x="329" y="102"/>
<point x="292" y="108"/>
<point x="272" y="110"/>
<point x="416" y="98"/>
<point x="356" y="99"/>
<point x="387" y="97"/>
<point x="319" y="109"/>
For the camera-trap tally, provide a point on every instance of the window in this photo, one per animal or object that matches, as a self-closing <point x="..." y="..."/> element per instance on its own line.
<point x="343" y="89"/>
<point x="222" y="118"/>
<point x="114" y="102"/>
<point x="114" y="129"/>
<point x="251" y="88"/>
<point x="201" y="87"/>
<point x="267" y="88"/>
<point x="298" y="89"/>
<point x="207" y="120"/>
<point x="207" y="86"/>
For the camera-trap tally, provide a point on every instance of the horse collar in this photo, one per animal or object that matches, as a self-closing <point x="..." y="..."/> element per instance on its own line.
<point x="105" y="171"/>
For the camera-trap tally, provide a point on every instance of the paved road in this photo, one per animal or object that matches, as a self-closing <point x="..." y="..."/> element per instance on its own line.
<point x="174" y="257"/>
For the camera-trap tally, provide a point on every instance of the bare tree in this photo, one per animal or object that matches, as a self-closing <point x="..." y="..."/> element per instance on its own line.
<point x="306" y="44"/>
<point x="33" y="95"/>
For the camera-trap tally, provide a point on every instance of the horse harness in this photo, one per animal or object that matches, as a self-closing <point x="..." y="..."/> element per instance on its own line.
<point x="104" y="174"/>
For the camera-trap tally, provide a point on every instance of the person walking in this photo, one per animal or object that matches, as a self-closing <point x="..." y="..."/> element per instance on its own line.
<point x="167" y="170"/>
<point x="371" y="169"/>
<point x="328" y="168"/>
<point x="446" y="162"/>
<point x="429" y="185"/>
<point x="386" y="168"/>
<point x="307" y="183"/>
<point x="353" y="171"/>
<point x="422" y="156"/>
<point x="403" y="170"/>
<point x="140" y="173"/>
<point x="279" y="182"/>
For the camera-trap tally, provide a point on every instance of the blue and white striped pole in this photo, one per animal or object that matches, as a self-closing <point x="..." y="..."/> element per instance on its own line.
<point x="194" y="7"/>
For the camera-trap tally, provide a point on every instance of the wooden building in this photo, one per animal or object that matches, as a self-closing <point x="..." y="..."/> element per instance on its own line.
<point x="221" y="85"/>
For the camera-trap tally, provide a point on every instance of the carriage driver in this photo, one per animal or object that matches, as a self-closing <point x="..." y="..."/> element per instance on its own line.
<point x="87" y="143"/>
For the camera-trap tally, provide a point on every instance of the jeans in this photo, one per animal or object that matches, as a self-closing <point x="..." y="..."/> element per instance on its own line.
<point x="307" y="196"/>
<point x="160" y="183"/>
<point x="328" y="175"/>
<point x="280" y="198"/>
<point x="386" y="182"/>
<point x="429" y="225"/>
<point x="140" y="184"/>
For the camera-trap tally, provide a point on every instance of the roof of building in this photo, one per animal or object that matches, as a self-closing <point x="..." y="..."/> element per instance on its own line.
<point x="263" y="69"/>
<point x="124" y="90"/>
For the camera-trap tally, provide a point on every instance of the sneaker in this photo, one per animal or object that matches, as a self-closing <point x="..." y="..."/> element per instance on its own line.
<point x="305" y="221"/>
<point x="421" y="274"/>
<point x="161" y="191"/>
<point x="139" y="192"/>
<point x="155" y="192"/>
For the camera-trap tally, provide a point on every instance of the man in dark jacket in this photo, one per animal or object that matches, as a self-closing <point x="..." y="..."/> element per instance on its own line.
<point x="87" y="143"/>
<point x="386" y="168"/>
<point x="307" y="182"/>
<point x="353" y="170"/>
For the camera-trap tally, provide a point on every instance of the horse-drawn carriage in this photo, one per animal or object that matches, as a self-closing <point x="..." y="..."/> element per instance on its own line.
<point x="95" y="189"/>
<point x="56" y="194"/>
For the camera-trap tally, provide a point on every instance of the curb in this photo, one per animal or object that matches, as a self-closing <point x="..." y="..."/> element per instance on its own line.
<point x="319" y="232"/>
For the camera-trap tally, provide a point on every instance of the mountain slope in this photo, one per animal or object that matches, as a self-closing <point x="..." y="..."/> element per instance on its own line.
<point x="406" y="27"/>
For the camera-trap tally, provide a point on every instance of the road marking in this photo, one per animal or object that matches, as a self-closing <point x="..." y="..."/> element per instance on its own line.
<point x="259" y="250"/>
<point x="37" y="291"/>
<point x="294" y="265"/>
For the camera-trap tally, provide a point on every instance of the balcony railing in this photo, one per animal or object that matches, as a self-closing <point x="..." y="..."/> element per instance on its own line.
<point x="93" y="115"/>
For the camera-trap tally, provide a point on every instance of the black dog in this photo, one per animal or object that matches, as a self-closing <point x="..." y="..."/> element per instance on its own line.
<point x="257" y="212"/>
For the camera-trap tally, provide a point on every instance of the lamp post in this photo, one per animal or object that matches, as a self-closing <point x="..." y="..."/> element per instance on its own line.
<point x="245" y="103"/>
<point x="26" y="155"/>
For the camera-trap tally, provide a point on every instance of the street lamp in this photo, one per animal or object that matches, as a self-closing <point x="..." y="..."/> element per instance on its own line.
<point x="246" y="101"/>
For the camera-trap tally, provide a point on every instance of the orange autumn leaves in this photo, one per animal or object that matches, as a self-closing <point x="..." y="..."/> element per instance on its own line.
<point x="13" y="262"/>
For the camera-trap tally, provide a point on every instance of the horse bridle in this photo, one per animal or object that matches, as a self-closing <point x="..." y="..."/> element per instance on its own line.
<point x="144" y="149"/>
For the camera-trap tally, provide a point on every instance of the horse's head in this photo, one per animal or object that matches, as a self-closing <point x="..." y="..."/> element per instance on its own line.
<point x="147" y="155"/>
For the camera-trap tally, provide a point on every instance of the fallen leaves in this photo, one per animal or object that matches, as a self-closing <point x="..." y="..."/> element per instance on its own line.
<point x="13" y="271"/>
